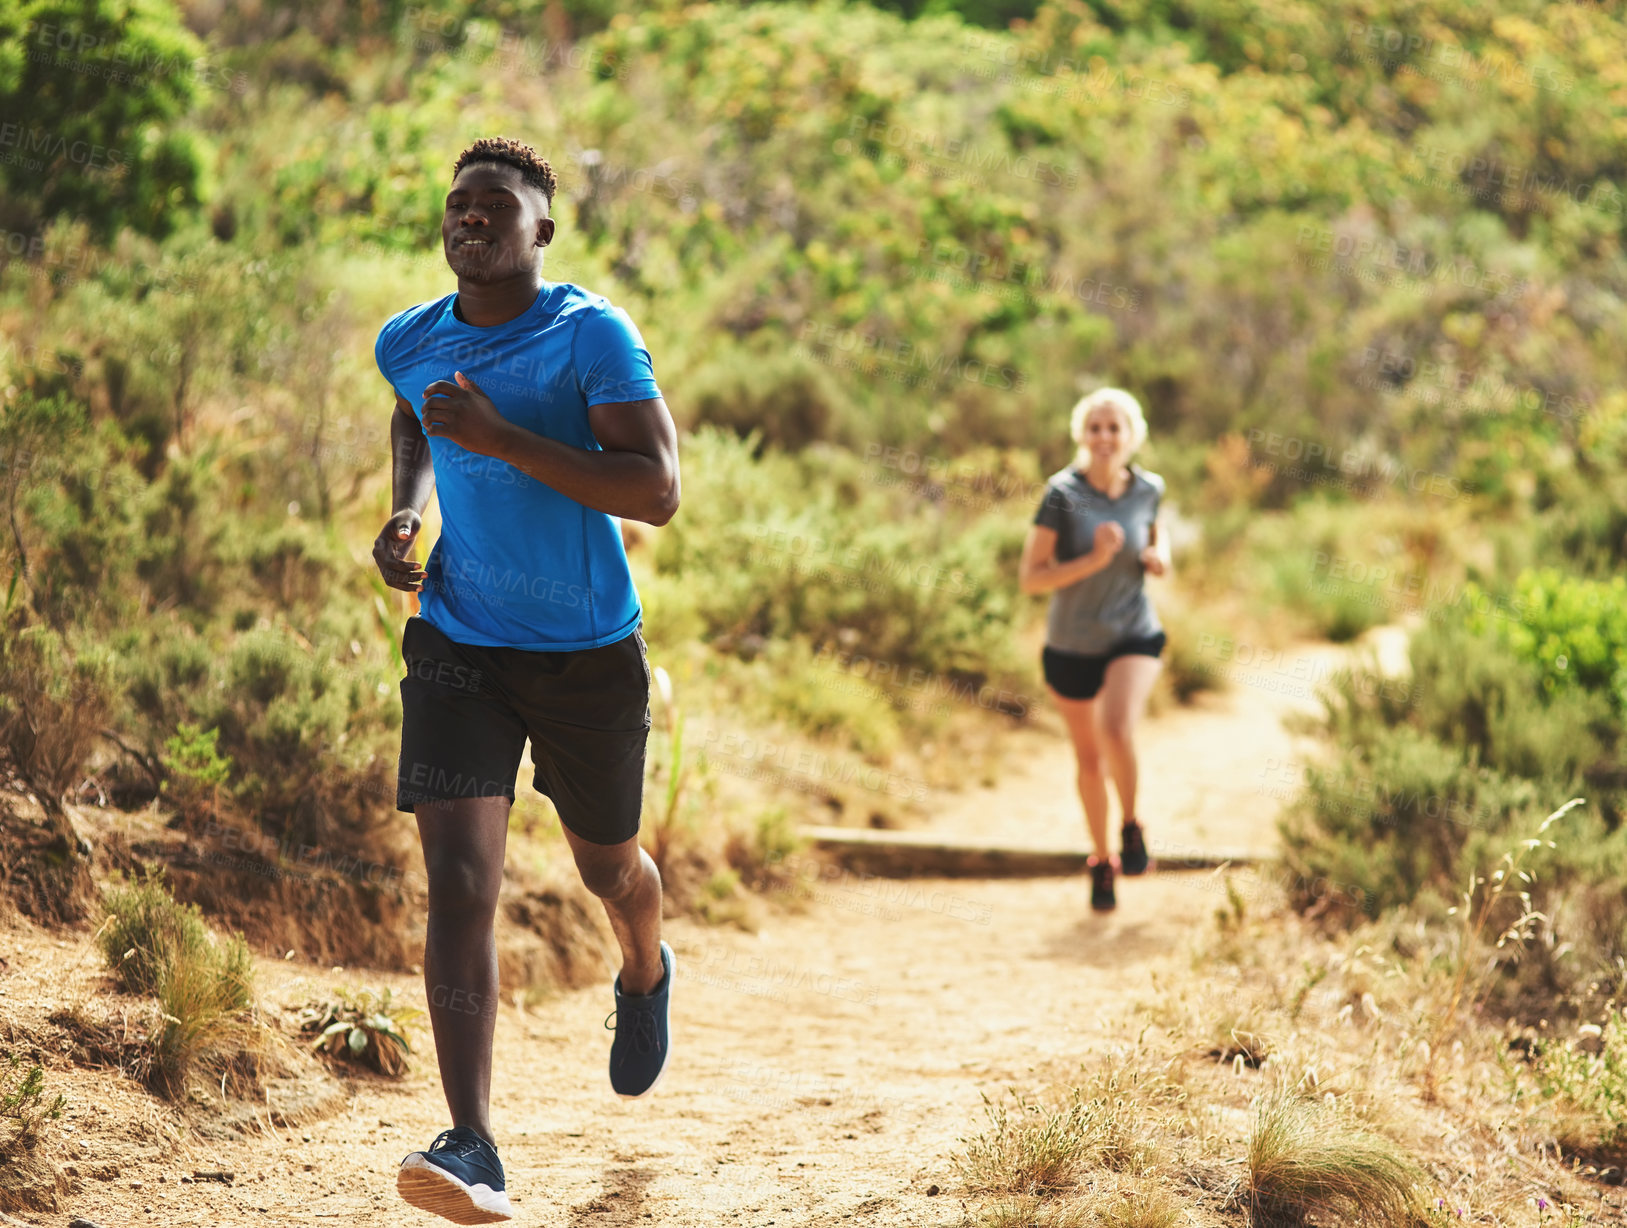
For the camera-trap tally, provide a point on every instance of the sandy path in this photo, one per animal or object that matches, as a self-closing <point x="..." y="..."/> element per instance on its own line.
<point x="823" y="1068"/>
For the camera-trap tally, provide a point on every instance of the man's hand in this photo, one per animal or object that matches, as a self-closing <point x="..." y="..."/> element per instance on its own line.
<point x="1152" y="561"/>
<point x="390" y="549"/>
<point x="465" y="415"/>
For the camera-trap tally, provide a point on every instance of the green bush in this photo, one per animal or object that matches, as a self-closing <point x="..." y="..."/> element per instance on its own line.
<point x="55" y="697"/>
<point x="111" y="155"/>
<point x="1572" y="630"/>
<point x="1435" y="778"/>
<point x="813" y="546"/>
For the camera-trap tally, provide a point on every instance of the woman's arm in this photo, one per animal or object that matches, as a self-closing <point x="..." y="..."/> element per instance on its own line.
<point x="1040" y="572"/>
<point x="1155" y="558"/>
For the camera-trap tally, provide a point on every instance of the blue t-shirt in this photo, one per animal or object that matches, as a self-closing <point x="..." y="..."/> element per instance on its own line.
<point x="517" y="564"/>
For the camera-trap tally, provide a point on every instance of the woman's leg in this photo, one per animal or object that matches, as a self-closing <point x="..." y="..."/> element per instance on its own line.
<point x="1080" y="717"/>
<point x="1123" y="700"/>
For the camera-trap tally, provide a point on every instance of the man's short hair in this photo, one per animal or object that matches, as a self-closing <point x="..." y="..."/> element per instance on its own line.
<point x="533" y="168"/>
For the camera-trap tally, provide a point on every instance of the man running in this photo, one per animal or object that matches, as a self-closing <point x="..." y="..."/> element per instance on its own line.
<point x="533" y="408"/>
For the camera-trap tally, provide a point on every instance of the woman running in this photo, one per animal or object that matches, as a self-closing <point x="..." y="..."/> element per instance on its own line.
<point x="1094" y="540"/>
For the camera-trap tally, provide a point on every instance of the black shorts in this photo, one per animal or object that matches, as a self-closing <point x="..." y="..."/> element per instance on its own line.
<point x="466" y="711"/>
<point x="1073" y="676"/>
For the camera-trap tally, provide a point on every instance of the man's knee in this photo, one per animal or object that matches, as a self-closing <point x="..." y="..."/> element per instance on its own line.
<point x="462" y="886"/>
<point x="610" y="877"/>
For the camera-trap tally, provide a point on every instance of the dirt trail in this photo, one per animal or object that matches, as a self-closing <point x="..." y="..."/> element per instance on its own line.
<point x="823" y="1068"/>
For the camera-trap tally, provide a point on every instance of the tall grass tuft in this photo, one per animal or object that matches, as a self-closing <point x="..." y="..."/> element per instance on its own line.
<point x="1304" y="1162"/>
<point x="204" y="987"/>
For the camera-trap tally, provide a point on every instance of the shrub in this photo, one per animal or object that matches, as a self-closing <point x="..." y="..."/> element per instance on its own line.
<point x="55" y="696"/>
<point x="1573" y="631"/>
<point x="195" y="771"/>
<point x="1585" y="1085"/>
<point x="203" y="986"/>
<point x="24" y="1106"/>
<point x="1435" y="775"/>
<point x="362" y="1026"/>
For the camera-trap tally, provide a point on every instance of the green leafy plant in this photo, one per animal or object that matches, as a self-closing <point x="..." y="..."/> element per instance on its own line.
<point x="1585" y="1082"/>
<point x="362" y="1026"/>
<point x="24" y="1106"/>
<point x="195" y="770"/>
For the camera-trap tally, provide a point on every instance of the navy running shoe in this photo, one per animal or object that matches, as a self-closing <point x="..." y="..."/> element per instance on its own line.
<point x="459" y="1178"/>
<point x="638" y="1055"/>
<point x="1133" y="860"/>
<point x="1101" y="886"/>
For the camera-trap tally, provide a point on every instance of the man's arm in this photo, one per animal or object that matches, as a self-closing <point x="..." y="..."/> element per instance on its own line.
<point x="412" y="480"/>
<point x="635" y="476"/>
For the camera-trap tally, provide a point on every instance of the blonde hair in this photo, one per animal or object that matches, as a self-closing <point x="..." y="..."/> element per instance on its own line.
<point x="1112" y="398"/>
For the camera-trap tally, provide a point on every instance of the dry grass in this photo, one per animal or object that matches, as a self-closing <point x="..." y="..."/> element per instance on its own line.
<point x="1142" y="1205"/>
<point x="1382" y="1127"/>
<point x="1027" y="1211"/>
<point x="1305" y="1161"/>
<point x="204" y="987"/>
<point x="1031" y="1147"/>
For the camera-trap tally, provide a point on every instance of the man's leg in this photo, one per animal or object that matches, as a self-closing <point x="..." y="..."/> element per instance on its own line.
<point x="463" y="856"/>
<point x="626" y="880"/>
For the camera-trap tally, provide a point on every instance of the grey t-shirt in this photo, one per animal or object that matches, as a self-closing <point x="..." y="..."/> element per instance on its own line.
<point x="1091" y="615"/>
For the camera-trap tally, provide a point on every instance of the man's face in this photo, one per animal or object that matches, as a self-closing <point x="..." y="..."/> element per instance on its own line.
<point x="495" y="225"/>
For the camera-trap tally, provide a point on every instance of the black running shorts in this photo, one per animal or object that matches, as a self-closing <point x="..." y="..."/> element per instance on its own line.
<point x="1073" y="676"/>
<point x="466" y="711"/>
